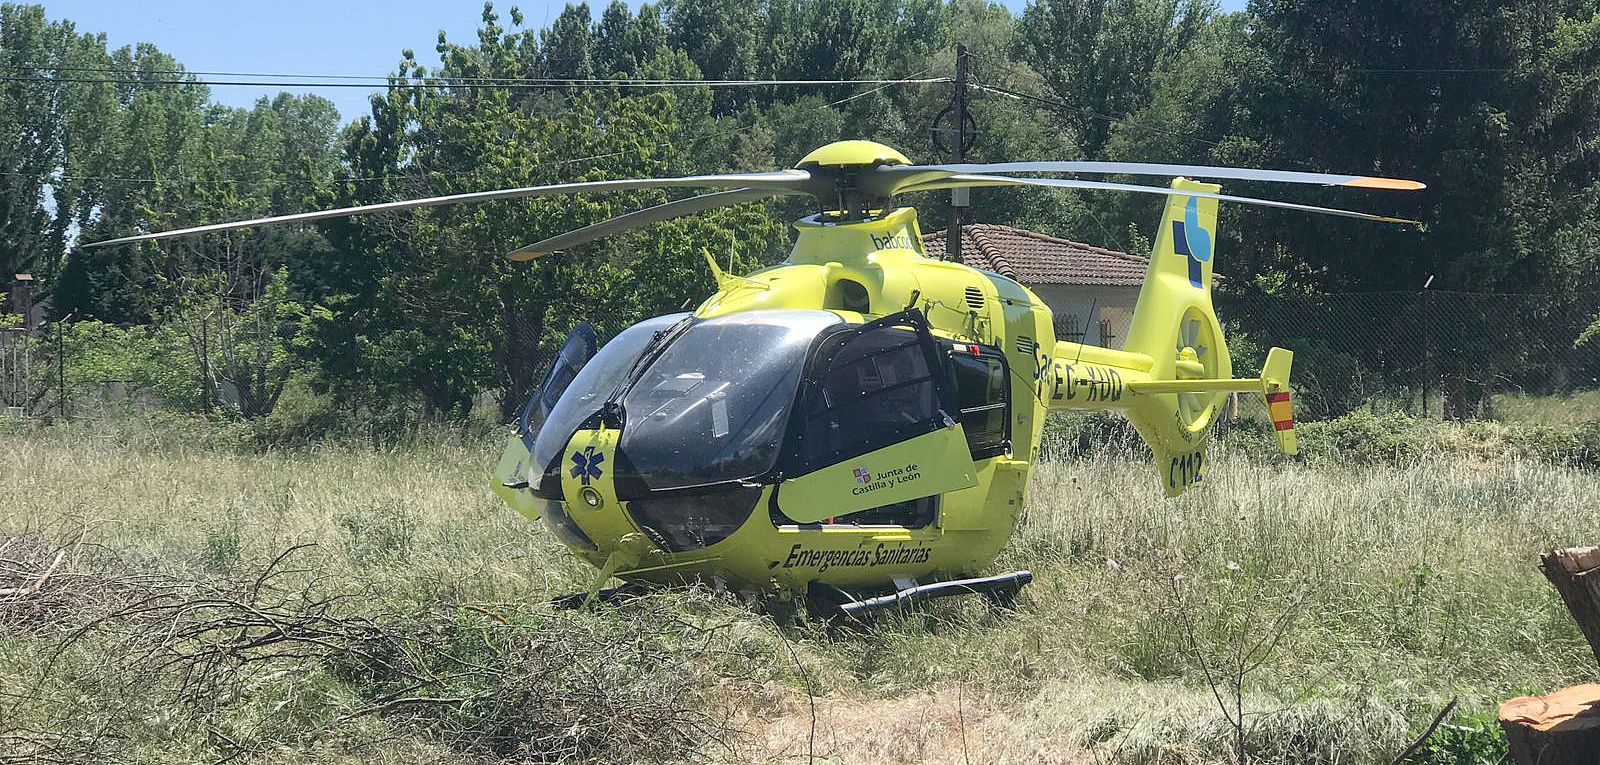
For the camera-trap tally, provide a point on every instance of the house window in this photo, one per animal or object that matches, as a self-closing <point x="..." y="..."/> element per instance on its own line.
<point x="984" y="398"/>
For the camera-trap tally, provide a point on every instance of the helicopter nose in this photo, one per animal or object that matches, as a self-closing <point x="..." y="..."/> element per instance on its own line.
<point x="588" y="485"/>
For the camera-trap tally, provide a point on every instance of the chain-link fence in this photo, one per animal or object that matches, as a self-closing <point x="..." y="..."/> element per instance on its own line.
<point x="16" y="372"/>
<point x="73" y="369"/>
<point x="1432" y="353"/>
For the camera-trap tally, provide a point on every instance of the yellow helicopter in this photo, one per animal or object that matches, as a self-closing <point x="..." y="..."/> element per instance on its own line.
<point x="856" y="426"/>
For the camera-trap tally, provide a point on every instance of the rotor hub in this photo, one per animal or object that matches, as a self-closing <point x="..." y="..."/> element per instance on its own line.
<point x="852" y="154"/>
<point x="847" y="190"/>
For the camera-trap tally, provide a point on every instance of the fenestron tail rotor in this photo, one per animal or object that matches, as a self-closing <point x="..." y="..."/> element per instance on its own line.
<point x="1194" y="361"/>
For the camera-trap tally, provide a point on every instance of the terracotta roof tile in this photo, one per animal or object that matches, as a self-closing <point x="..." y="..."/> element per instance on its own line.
<point x="1034" y="258"/>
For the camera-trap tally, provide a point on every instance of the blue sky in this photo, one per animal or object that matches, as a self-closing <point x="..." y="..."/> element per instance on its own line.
<point x="355" y="37"/>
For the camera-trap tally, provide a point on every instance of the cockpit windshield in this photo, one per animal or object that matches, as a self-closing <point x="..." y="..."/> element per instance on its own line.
<point x="710" y="408"/>
<point x="713" y="407"/>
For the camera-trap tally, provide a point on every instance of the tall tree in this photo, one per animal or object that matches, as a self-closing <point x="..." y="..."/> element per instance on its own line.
<point x="48" y="120"/>
<point x="1490" y="102"/>
<point x="569" y="44"/>
<point x="451" y="316"/>
<point x="1099" y="56"/>
<point x="722" y="38"/>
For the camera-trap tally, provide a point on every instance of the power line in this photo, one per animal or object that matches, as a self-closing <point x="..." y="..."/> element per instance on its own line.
<point x="526" y="84"/>
<point x="384" y="79"/>
<point x="184" y="72"/>
<point x="1053" y="103"/>
<point x="1441" y="70"/>
<point x="1011" y="69"/>
<point x="692" y="140"/>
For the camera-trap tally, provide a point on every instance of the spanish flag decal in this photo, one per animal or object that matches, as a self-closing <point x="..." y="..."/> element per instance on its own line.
<point x="1282" y="412"/>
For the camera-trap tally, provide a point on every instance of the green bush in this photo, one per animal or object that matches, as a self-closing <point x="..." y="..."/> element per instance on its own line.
<point x="1574" y="446"/>
<point x="1365" y="436"/>
<point x="1469" y="740"/>
<point x="135" y="362"/>
<point x="302" y="416"/>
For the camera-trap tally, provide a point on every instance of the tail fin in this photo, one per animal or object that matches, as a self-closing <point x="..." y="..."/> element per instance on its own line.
<point x="1175" y="325"/>
<point x="1189" y="373"/>
<point x="1180" y="271"/>
<point x="1176" y="346"/>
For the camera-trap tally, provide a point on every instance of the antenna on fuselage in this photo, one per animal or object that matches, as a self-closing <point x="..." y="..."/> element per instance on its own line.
<point x="912" y="303"/>
<point x="1085" y="335"/>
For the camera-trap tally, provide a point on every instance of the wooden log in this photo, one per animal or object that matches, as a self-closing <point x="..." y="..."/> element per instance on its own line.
<point x="1562" y="728"/>
<point x="1575" y="573"/>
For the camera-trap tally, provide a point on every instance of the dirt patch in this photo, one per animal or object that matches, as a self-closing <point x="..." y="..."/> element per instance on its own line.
<point x="946" y="726"/>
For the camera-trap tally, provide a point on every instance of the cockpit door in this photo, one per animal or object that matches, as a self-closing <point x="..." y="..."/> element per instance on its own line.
<point x="875" y="424"/>
<point x="579" y="347"/>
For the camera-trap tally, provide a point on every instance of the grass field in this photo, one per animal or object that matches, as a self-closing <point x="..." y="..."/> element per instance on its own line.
<point x="1582" y="406"/>
<point x="162" y="609"/>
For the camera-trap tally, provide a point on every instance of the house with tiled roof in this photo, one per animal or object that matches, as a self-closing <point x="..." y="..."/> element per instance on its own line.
<point x="1092" y="290"/>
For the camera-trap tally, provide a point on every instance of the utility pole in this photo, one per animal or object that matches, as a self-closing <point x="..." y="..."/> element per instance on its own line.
<point x="963" y="131"/>
<point x="61" y="367"/>
<point x="1425" y="303"/>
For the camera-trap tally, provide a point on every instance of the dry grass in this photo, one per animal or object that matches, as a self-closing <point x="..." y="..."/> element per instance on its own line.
<point x="1386" y="590"/>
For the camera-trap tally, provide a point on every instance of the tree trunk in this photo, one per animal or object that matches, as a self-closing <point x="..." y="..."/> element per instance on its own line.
<point x="1562" y="728"/>
<point x="1575" y="573"/>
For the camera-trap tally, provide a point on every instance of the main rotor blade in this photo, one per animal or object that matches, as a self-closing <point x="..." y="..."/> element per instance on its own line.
<point x="924" y="173"/>
<point x="959" y="181"/>
<point x="779" y="181"/>
<point x="639" y="219"/>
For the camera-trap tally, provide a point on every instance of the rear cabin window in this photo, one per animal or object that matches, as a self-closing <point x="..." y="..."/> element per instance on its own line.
<point x="984" y="397"/>
<point x="878" y="390"/>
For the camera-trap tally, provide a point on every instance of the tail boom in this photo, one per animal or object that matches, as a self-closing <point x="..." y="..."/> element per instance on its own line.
<point x="1122" y="381"/>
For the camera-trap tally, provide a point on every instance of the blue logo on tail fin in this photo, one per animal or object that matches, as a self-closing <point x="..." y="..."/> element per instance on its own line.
<point x="1192" y="241"/>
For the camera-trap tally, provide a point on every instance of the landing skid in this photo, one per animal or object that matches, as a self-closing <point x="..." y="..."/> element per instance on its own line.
<point x="831" y="602"/>
<point x="610" y="595"/>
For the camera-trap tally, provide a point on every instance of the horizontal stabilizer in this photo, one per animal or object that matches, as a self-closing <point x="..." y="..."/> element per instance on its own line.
<point x="1273" y="384"/>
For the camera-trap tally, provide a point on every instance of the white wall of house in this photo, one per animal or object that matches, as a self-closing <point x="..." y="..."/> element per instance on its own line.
<point x="1071" y="302"/>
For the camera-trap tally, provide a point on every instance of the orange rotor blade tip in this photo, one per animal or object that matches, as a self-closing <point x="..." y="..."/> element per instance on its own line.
<point x="522" y="256"/>
<point x="1392" y="184"/>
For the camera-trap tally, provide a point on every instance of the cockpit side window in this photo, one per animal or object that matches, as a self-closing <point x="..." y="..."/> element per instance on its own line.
<point x="984" y="398"/>
<point x="878" y="389"/>
<point x="569" y="361"/>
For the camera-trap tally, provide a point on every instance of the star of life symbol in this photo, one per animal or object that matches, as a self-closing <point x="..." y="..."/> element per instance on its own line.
<point x="586" y="465"/>
<point x="863" y="475"/>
